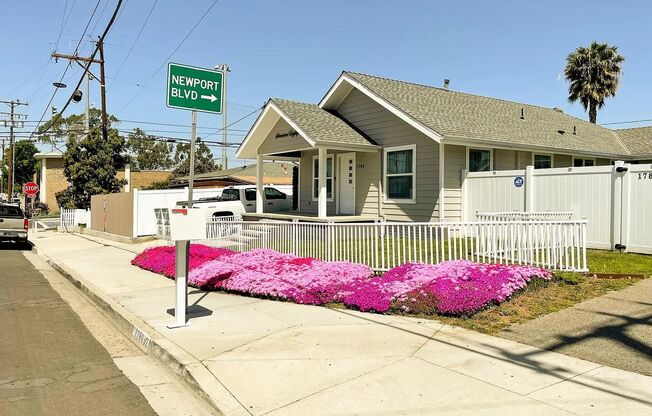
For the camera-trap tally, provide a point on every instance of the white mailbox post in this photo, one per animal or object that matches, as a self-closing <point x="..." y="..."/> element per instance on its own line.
<point x="185" y="224"/>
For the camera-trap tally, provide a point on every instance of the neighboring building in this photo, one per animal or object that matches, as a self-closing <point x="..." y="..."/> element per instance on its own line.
<point x="52" y="179"/>
<point x="381" y="148"/>
<point x="274" y="173"/>
<point x="639" y="141"/>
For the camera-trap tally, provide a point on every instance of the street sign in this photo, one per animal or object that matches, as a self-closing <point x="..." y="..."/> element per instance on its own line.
<point x="30" y="188"/>
<point x="192" y="88"/>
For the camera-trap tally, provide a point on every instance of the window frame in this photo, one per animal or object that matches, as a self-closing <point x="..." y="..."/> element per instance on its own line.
<point x="386" y="151"/>
<point x="315" y="175"/>
<point x="583" y="159"/>
<point x="552" y="159"/>
<point x="468" y="158"/>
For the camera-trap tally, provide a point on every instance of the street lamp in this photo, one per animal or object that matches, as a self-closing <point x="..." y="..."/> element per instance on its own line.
<point x="225" y="69"/>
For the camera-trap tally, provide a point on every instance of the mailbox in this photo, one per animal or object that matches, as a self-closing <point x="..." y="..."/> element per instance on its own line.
<point x="187" y="224"/>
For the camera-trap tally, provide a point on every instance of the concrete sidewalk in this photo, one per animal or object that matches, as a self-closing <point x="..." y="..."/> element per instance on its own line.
<point x="248" y="356"/>
<point x="614" y="329"/>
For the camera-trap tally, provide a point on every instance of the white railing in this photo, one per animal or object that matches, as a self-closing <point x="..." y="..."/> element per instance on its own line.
<point x="524" y="216"/>
<point x="557" y="245"/>
<point x="71" y="217"/>
<point x="223" y="227"/>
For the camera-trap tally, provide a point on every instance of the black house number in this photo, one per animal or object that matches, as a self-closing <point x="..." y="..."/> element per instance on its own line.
<point x="645" y="175"/>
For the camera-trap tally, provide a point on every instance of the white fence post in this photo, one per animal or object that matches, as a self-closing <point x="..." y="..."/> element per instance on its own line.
<point x="619" y="174"/>
<point x="529" y="189"/>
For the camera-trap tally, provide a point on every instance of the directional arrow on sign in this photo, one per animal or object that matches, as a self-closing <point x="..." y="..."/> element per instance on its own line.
<point x="209" y="97"/>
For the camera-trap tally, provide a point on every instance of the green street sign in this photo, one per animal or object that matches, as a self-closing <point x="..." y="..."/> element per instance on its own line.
<point x="192" y="88"/>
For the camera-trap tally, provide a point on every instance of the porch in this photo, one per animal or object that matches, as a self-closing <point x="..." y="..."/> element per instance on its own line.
<point x="339" y="168"/>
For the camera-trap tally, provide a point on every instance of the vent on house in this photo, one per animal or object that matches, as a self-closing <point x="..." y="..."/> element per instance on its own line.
<point x="558" y="109"/>
<point x="574" y="130"/>
<point x="560" y="131"/>
<point x="446" y="83"/>
<point x="522" y="114"/>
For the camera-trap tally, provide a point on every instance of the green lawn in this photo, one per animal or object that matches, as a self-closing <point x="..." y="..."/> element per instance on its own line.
<point x="564" y="290"/>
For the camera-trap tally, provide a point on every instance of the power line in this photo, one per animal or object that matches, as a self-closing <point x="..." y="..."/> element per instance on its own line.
<point x="140" y="32"/>
<point x="626" y="122"/>
<point x="235" y="122"/>
<point x="68" y="66"/>
<point x="88" y="64"/>
<point x="165" y="61"/>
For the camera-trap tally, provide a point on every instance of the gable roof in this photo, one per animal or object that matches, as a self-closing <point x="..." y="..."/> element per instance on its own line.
<point x="321" y="126"/>
<point x="318" y="127"/>
<point x="273" y="172"/>
<point x="638" y="140"/>
<point x="458" y="115"/>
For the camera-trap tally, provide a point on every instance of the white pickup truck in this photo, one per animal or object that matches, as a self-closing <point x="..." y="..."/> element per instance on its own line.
<point x="13" y="223"/>
<point x="238" y="200"/>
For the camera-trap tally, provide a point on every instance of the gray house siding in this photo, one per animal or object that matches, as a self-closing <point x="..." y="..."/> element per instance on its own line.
<point x="388" y="130"/>
<point x="454" y="164"/>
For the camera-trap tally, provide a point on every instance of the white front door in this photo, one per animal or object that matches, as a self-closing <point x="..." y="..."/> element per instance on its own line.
<point x="346" y="184"/>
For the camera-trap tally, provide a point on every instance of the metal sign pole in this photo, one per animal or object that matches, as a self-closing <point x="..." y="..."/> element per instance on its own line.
<point x="182" y="248"/>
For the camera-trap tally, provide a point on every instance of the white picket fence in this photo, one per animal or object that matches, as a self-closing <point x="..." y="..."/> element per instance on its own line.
<point x="523" y="216"/>
<point x="71" y="217"/>
<point x="559" y="244"/>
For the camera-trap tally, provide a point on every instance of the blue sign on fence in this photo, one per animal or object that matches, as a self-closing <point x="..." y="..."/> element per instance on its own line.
<point x="518" y="181"/>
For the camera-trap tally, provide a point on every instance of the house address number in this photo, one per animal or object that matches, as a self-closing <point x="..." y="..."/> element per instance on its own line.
<point x="645" y="175"/>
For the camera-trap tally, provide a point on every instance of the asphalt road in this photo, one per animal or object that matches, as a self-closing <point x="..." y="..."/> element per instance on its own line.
<point x="50" y="364"/>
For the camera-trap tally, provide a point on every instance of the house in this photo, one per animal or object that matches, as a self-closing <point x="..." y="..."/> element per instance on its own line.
<point x="52" y="179"/>
<point x="274" y="173"/>
<point x="378" y="148"/>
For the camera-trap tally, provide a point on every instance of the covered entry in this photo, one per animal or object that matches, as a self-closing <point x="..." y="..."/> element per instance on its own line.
<point x="338" y="164"/>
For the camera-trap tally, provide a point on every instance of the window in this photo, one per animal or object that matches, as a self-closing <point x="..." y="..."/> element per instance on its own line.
<point x="273" y="193"/>
<point x="231" y="195"/>
<point x="250" y="194"/>
<point x="329" y="177"/>
<point x="10" y="211"/>
<point x="542" y="161"/>
<point x="479" y="160"/>
<point x="579" y="162"/>
<point x="400" y="175"/>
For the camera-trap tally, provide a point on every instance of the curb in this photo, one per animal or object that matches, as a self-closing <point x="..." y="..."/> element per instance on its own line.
<point x="184" y="366"/>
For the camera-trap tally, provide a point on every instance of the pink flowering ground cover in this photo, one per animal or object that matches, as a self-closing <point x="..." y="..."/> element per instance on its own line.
<point x="452" y="288"/>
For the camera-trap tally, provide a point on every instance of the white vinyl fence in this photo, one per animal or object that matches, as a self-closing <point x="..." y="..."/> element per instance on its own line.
<point x="557" y="245"/>
<point x="616" y="200"/>
<point x="73" y="217"/>
<point x="522" y="216"/>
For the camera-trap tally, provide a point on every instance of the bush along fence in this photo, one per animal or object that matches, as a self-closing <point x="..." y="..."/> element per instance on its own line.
<point x="553" y="244"/>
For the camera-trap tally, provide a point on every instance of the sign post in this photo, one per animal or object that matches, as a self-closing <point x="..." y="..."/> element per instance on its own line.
<point x="31" y="189"/>
<point x="195" y="89"/>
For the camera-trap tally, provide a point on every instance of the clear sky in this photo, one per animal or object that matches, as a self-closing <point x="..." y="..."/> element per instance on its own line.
<point x="296" y="49"/>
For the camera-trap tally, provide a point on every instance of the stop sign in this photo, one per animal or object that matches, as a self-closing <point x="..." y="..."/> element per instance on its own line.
<point x="30" y="188"/>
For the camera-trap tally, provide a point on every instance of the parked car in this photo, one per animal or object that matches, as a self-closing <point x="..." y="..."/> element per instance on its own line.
<point x="238" y="200"/>
<point x="14" y="225"/>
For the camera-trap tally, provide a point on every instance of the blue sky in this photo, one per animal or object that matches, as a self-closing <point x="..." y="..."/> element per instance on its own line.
<point x="296" y="49"/>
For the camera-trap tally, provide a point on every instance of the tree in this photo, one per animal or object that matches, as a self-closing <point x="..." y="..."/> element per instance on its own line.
<point x="593" y="74"/>
<point x="90" y="164"/>
<point x="148" y="153"/>
<point x="203" y="160"/>
<point x="25" y="165"/>
<point x="71" y="126"/>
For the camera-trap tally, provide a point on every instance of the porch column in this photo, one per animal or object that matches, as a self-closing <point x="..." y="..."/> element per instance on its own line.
<point x="259" y="185"/>
<point x="442" y="183"/>
<point x="321" y="204"/>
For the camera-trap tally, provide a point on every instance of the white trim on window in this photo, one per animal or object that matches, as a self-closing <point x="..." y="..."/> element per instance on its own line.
<point x="584" y="159"/>
<point x="552" y="158"/>
<point x="491" y="156"/>
<point x="315" y="175"/>
<point x="386" y="198"/>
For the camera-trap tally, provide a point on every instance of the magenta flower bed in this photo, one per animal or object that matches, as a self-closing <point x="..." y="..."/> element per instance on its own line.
<point x="453" y="287"/>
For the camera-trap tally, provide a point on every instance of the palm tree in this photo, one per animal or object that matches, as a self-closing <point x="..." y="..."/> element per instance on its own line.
<point x="593" y="74"/>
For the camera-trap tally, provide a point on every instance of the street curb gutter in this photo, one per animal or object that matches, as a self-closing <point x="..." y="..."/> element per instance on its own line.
<point x="185" y="367"/>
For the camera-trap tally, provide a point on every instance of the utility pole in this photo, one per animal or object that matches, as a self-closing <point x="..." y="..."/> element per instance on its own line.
<point x="11" y="169"/>
<point x="225" y="69"/>
<point x="78" y="60"/>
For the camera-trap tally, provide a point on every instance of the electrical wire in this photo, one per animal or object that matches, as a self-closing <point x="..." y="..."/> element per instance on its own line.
<point x="88" y="64"/>
<point x="626" y="122"/>
<point x="165" y="61"/>
<point x="140" y="32"/>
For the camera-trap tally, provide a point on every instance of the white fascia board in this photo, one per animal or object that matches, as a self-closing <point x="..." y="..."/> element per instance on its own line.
<point x="292" y="123"/>
<point x="391" y="108"/>
<point x="251" y="132"/>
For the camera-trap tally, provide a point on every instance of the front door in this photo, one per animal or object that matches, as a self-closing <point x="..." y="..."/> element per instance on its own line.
<point x="346" y="184"/>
